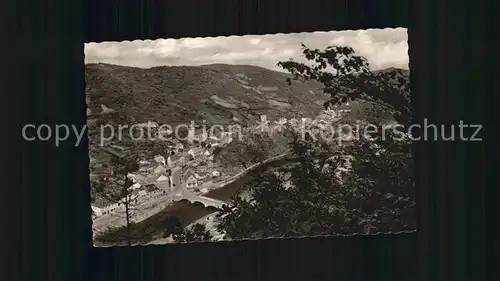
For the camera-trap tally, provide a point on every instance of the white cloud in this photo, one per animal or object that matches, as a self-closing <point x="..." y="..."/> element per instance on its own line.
<point x="236" y="56"/>
<point x="255" y="41"/>
<point x="288" y="52"/>
<point x="382" y="47"/>
<point x="201" y="43"/>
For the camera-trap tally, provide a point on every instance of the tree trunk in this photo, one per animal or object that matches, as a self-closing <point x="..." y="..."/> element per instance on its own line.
<point x="127" y="217"/>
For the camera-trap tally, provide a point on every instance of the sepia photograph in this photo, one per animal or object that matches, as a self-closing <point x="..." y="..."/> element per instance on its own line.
<point x="250" y="137"/>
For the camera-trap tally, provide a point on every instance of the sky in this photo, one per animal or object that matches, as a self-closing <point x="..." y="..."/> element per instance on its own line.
<point x="382" y="47"/>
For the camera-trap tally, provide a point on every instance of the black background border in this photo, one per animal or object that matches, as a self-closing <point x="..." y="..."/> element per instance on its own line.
<point x="47" y="233"/>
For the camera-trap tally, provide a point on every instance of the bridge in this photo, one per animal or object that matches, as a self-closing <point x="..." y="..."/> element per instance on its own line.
<point x="194" y="198"/>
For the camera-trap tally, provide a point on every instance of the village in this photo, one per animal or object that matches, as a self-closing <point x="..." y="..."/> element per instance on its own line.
<point x="187" y="167"/>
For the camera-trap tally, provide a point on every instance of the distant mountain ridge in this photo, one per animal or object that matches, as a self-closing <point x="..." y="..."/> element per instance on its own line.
<point x="217" y="93"/>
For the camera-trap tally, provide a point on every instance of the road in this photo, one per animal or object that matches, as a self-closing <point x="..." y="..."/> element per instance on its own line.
<point x="139" y="213"/>
<point x="150" y="208"/>
<point x="153" y="207"/>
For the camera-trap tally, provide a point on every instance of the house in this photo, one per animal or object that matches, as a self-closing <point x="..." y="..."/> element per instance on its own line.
<point x="135" y="186"/>
<point x="191" y="137"/>
<point x="163" y="178"/>
<point x="179" y="147"/>
<point x="160" y="169"/>
<point x="202" y="137"/>
<point x="195" y="152"/>
<point x="147" y="168"/>
<point x="165" y="133"/>
<point x="191" y="182"/>
<point x="142" y="193"/>
<point x="199" y="176"/>
<point x="164" y="186"/>
<point x="102" y="206"/>
<point x="187" y="173"/>
<point x="150" y="188"/>
<point x="175" y="160"/>
<point x="227" y="137"/>
<point x="215" y="174"/>
<point x="204" y="179"/>
<point x="148" y="124"/>
<point x="160" y="159"/>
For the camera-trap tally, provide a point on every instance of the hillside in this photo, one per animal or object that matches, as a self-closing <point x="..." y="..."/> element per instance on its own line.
<point x="219" y="94"/>
<point x="173" y="95"/>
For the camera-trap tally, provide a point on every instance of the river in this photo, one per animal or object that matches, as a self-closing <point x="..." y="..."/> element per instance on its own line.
<point x="189" y="212"/>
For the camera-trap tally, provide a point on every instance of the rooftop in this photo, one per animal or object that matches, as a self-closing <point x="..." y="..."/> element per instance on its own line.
<point x="101" y="202"/>
<point x="145" y="180"/>
<point x="151" y="188"/>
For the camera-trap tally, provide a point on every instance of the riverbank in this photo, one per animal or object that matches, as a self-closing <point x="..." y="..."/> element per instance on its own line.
<point x="149" y="229"/>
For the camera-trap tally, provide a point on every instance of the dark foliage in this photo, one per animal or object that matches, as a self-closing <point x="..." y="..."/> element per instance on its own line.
<point x="346" y="76"/>
<point x="315" y="197"/>
<point x="311" y="198"/>
<point x="195" y="233"/>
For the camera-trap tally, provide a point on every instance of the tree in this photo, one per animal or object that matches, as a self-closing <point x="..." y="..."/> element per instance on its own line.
<point x="346" y="76"/>
<point x="173" y="226"/>
<point x="384" y="187"/>
<point x="196" y="233"/>
<point x="314" y="196"/>
<point x="308" y="197"/>
<point x="116" y="190"/>
<point x="147" y="149"/>
<point x="252" y="149"/>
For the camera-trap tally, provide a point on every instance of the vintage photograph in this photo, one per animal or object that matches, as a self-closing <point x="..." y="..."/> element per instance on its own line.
<point x="250" y="137"/>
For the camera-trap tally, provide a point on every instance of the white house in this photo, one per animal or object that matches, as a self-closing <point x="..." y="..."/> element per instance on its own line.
<point x="135" y="186"/>
<point x="215" y="174"/>
<point x="102" y="206"/>
<point x="191" y="182"/>
<point x="179" y="147"/>
<point x="163" y="178"/>
<point x="159" y="170"/>
<point x="165" y="133"/>
<point x="195" y="151"/>
<point x="227" y="137"/>
<point x="191" y="152"/>
<point x="191" y="134"/>
<point x="148" y="124"/>
<point x="160" y="159"/>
